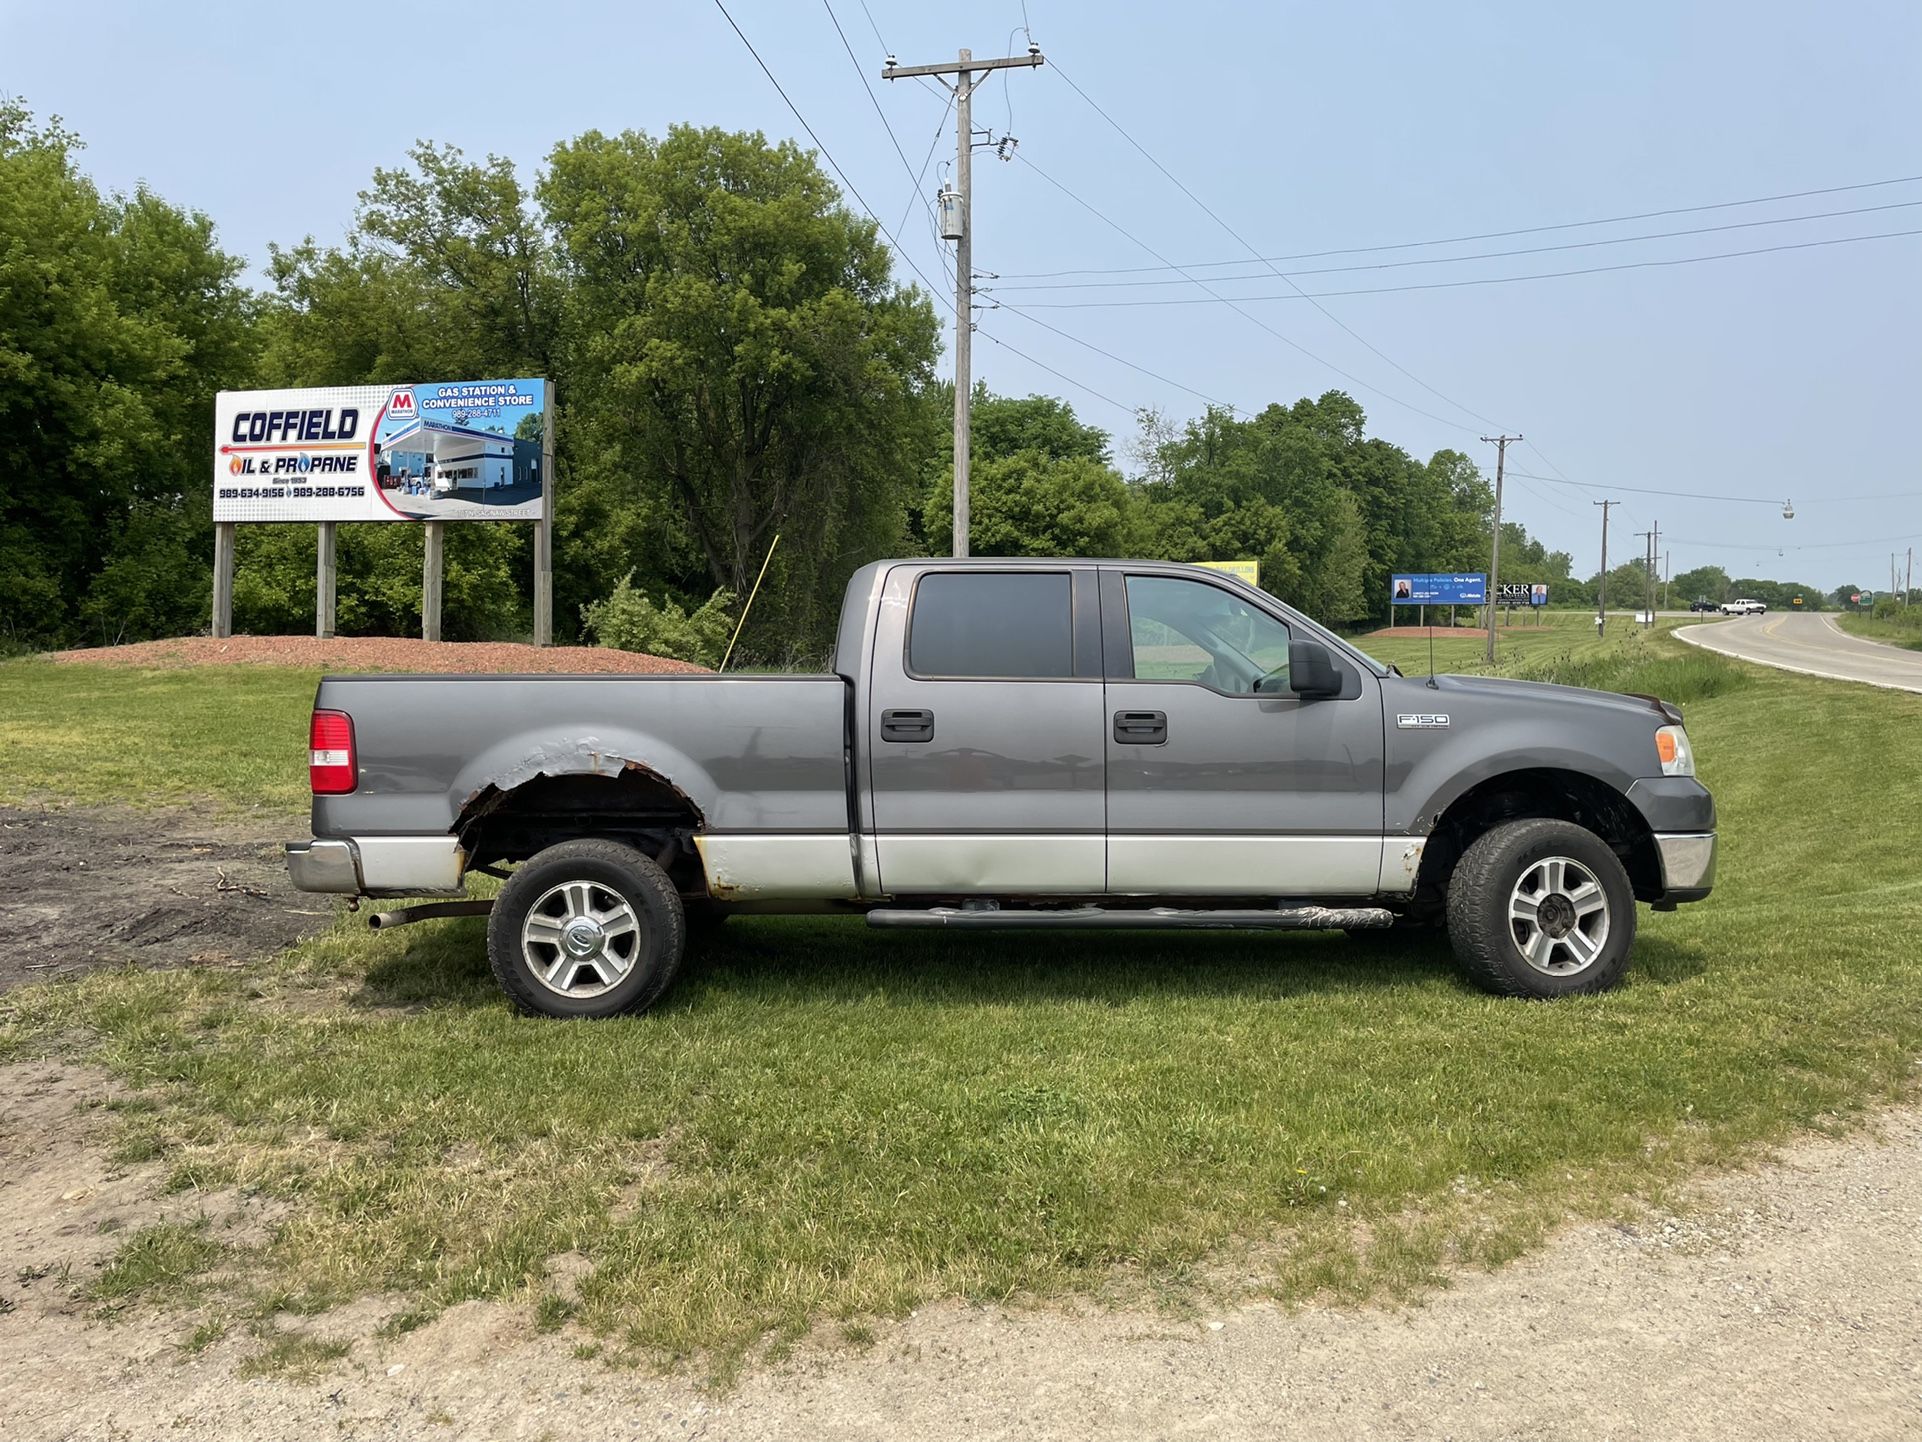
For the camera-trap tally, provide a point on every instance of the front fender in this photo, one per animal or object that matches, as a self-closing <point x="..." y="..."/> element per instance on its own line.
<point x="1422" y="786"/>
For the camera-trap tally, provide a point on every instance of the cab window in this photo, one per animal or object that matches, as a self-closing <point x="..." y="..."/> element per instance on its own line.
<point x="1181" y="630"/>
<point x="991" y="625"/>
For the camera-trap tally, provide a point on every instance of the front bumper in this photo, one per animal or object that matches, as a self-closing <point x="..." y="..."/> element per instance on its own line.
<point x="379" y="865"/>
<point x="1688" y="865"/>
<point x="1681" y="813"/>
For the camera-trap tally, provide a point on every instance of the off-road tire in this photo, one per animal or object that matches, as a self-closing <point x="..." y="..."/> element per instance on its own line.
<point x="610" y="867"/>
<point x="1483" y="932"/>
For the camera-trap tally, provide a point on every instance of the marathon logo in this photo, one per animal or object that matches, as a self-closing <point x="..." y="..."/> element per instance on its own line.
<point x="305" y="427"/>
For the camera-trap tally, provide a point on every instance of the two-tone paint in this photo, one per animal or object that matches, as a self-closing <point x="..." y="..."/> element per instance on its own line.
<point x="794" y="792"/>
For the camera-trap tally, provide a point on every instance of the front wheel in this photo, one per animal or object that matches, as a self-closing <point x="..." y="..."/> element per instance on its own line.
<point x="1541" y="909"/>
<point x="586" y="929"/>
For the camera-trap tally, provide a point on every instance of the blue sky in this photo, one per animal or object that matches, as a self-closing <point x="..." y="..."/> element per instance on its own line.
<point x="1306" y="128"/>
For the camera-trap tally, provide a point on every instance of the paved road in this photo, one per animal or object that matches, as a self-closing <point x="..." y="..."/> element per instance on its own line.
<point x="1812" y="644"/>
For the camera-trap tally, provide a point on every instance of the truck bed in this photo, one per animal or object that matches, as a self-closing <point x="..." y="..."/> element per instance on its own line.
<point x="751" y="754"/>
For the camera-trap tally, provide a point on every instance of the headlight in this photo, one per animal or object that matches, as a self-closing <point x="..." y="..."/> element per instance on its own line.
<point x="1678" y="757"/>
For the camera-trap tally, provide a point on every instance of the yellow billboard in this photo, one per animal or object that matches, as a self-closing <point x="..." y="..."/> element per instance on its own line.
<point x="1249" y="571"/>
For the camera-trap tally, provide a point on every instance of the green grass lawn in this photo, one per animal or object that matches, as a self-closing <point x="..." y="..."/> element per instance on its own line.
<point x="232" y="736"/>
<point x="1902" y="629"/>
<point x="822" y="1123"/>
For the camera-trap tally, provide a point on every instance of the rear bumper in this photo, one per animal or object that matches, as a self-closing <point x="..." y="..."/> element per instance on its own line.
<point x="379" y="865"/>
<point x="1688" y="865"/>
<point x="323" y="866"/>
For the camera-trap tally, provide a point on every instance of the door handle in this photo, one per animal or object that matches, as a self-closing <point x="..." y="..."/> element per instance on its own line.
<point x="1140" y="728"/>
<point x="909" y="725"/>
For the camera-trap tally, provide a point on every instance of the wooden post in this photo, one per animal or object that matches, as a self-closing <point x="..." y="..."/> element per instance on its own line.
<point x="223" y="578"/>
<point x="544" y="527"/>
<point x="324" y="583"/>
<point x="430" y="582"/>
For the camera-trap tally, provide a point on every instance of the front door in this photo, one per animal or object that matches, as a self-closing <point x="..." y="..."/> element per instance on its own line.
<point x="1220" y="779"/>
<point x="984" y="733"/>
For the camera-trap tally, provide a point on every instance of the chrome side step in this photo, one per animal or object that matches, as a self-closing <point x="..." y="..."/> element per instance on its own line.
<point x="1153" y="918"/>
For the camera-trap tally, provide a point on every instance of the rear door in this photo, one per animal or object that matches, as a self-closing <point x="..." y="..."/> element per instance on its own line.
<point x="985" y="732"/>
<point x="1222" y="781"/>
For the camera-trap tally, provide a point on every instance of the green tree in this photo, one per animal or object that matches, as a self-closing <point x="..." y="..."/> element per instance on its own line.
<point x="1704" y="582"/>
<point x="1033" y="504"/>
<point x="119" y="319"/>
<point x="743" y="362"/>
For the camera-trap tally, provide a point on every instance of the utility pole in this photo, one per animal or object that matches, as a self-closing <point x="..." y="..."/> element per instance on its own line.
<point x="1601" y="587"/>
<point x="1651" y="541"/>
<point x="965" y="71"/>
<point x="1654" y="555"/>
<point x="1500" y="443"/>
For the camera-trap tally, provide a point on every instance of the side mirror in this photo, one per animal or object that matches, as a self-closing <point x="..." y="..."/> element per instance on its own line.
<point x="1312" y="670"/>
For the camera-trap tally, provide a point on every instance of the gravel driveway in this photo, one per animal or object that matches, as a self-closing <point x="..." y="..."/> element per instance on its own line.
<point x="1784" y="1306"/>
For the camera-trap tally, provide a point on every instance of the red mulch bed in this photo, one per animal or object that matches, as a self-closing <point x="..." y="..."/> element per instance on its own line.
<point x="375" y="653"/>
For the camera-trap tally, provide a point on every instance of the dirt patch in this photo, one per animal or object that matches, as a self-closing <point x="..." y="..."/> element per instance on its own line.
<point x="377" y="653"/>
<point x="1781" y="1306"/>
<point x="91" y="887"/>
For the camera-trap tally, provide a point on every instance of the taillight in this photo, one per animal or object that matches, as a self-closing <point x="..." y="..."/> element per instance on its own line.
<point x="330" y="766"/>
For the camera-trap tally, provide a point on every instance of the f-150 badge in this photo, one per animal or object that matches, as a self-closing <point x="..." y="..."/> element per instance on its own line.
<point x="1420" y="720"/>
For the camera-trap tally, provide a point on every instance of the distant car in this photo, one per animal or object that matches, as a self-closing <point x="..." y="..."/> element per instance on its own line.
<point x="1702" y="603"/>
<point x="1743" y="607"/>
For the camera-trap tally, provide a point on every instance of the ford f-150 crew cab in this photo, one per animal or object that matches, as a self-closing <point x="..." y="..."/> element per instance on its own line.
<point x="1014" y="743"/>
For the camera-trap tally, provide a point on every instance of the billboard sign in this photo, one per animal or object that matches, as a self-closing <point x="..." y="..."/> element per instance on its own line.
<point x="437" y="451"/>
<point x="1521" y="593"/>
<point x="1249" y="571"/>
<point x="1456" y="589"/>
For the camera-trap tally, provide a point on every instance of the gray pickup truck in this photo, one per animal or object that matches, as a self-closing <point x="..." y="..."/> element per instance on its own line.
<point x="1018" y="744"/>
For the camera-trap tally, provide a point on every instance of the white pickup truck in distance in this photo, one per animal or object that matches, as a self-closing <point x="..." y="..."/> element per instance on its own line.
<point x="1744" y="607"/>
<point x="1019" y="744"/>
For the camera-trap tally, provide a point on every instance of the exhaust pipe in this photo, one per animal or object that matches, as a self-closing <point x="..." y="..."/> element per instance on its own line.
<point x="428" y="911"/>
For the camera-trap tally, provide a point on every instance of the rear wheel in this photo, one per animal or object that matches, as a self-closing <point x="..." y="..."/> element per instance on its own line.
<point x="587" y="929"/>
<point x="1541" y="909"/>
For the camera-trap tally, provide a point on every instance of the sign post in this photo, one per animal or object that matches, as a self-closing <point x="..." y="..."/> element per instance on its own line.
<point x="432" y="572"/>
<point x="544" y="527"/>
<point x="324" y="582"/>
<point x="223" y="579"/>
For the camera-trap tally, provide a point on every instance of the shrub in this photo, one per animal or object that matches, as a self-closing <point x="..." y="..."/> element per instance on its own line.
<point x="628" y="621"/>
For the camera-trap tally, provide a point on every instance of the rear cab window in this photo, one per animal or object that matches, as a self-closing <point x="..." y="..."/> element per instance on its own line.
<point x="992" y="625"/>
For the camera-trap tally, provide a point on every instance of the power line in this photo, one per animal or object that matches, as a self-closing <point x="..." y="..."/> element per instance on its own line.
<point x="1334" y="319"/>
<point x="1229" y="301"/>
<point x="1078" y="385"/>
<point x="1484" y="280"/>
<point x="1479" y="255"/>
<point x="1878" y="541"/>
<point x="914" y="179"/>
<point x="875" y="28"/>
<point x="1651" y="491"/>
<point x="1485" y="235"/>
<point x="828" y="156"/>
<point x="1118" y="360"/>
<point x="873" y="99"/>
<point x="940" y="129"/>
